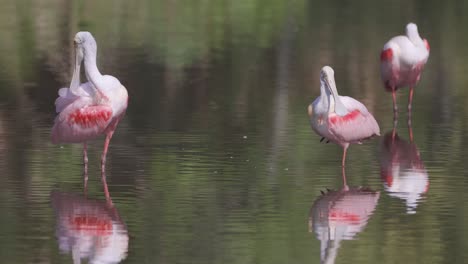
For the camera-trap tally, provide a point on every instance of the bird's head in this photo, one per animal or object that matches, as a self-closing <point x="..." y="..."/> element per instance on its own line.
<point x="85" y="42"/>
<point x="413" y="35"/>
<point x="327" y="80"/>
<point x="411" y="28"/>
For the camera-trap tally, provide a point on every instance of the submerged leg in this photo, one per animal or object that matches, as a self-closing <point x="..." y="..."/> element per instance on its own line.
<point x="410" y="130"/>
<point x="85" y="163"/>
<point x="395" y="123"/>
<point x="345" y="184"/>
<point x="106" y="190"/>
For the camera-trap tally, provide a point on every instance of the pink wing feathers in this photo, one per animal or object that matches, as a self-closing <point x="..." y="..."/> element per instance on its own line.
<point x="390" y="63"/>
<point x="79" y="118"/>
<point x="357" y="125"/>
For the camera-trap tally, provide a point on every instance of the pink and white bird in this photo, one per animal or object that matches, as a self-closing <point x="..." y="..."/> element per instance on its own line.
<point x="402" y="61"/>
<point x="340" y="119"/>
<point x="87" y="110"/>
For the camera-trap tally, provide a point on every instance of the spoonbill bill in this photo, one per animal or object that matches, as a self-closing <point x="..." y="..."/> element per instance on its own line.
<point x="402" y="61"/>
<point x="88" y="110"/>
<point x="340" y="119"/>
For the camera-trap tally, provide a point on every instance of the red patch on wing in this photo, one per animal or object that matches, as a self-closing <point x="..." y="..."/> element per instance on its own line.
<point x="427" y="44"/>
<point x="386" y="176"/>
<point x="350" y="116"/>
<point x="89" y="117"/>
<point x="341" y="216"/>
<point x="386" y="55"/>
<point x="389" y="180"/>
<point x="92" y="224"/>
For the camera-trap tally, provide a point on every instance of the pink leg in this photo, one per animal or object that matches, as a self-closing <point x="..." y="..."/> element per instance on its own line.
<point x="345" y="184"/>
<point x="395" y="107"/>
<point x="410" y="97"/>
<point x="344" y="156"/>
<point x="106" y="191"/>
<point x="85" y="162"/>
<point x="410" y="102"/>
<point x="109" y="134"/>
<point x="104" y="152"/>
<point x="410" y="130"/>
<point x="103" y="164"/>
<point x="395" y="123"/>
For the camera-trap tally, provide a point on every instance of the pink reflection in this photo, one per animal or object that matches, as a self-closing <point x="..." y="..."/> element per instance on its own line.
<point x="89" y="229"/>
<point x="402" y="170"/>
<point x="340" y="215"/>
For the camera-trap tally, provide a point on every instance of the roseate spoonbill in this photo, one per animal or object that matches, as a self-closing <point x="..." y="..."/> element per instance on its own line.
<point x="340" y="119"/>
<point x="402" y="61"/>
<point x="340" y="215"/>
<point x="89" y="229"/>
<point x="87" y="110"/>
<point x="402" y="170"/>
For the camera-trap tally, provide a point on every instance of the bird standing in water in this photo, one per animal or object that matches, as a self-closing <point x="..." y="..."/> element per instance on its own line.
<point x="340" y="119"/>
<point x="87" y="110"/>
<point x="402" y="61"/>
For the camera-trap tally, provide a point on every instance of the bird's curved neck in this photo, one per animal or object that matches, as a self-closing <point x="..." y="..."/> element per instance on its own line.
<point x="330" y="100"/>
<point x="92" y="72"/>
<point x="325" y="96"/>
<point x="414" y="37"/>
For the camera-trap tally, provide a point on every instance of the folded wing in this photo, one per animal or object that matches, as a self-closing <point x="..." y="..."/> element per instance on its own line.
<point x="67" y="97"/>
<point x="357" y="125"/>
<point x="81" y="120"/>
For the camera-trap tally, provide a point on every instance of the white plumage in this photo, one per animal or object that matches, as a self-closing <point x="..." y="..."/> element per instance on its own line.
<point x="340" y="119"/>
<point x="402" y="60"/>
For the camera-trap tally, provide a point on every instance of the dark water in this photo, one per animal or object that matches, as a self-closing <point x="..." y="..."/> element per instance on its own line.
<point x="215" y="161"/>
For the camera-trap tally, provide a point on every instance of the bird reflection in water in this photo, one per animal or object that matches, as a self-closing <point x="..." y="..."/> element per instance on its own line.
<point x="402" y="170"/>
<point x="89" y="229"/>
<point x="340" y="215"/>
